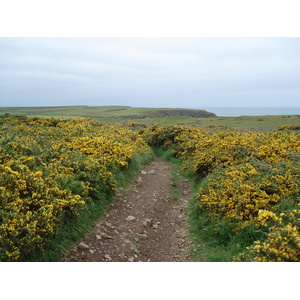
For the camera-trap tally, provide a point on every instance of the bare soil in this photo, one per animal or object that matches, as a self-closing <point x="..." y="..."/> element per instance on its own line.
<point x="145" y="224"/>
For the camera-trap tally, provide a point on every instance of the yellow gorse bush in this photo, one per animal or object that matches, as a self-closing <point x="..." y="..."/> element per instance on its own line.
<point x="51" y="170"/>
<point x="282" y="243"/>
<point x="135" y="124"/>
<point x="288" y="127"/>
<point x="251" y="181"/>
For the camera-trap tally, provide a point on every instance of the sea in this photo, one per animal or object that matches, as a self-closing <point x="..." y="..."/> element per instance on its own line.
<point x="251" y="111"/>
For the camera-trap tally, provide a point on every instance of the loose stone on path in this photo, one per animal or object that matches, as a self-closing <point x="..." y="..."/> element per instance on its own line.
<point x="143" y="225"/>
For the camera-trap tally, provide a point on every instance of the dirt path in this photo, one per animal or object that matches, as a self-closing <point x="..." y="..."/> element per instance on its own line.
<point x="144" y="224"/>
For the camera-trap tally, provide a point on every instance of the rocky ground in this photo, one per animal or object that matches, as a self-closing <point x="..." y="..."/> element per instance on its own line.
<point x="145" y="224"/>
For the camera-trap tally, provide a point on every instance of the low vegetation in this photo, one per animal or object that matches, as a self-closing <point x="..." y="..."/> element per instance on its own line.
<point x="57" y="175"/>
<point x="111" y="114"/>
<point x="54" y="171"/>
<point x="247" y="198"/>
<point x="162" y="116"/>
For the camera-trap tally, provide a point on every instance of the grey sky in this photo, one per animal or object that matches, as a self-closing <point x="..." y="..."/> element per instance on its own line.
<point x="150" y="72"/>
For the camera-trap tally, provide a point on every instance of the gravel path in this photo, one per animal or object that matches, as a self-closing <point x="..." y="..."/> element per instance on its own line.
<point x="144" y="224"/>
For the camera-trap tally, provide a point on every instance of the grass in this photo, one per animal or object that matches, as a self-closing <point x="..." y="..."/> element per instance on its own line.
<point x="68" y="234"/>
<point x="206" y="248"/>
<point x="175" y="172"/>
<point x="175" y="189"/>
<point x="245" y="123"/>
<point x="122" y="114"/>
<point x="213" y="240"/>
<point x="110" y="114"/>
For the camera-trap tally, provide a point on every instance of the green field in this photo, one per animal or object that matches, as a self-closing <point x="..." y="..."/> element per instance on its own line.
<point x="244" y="123"/>
<point x="149" y="116"/>
<point x="111" y="114"/>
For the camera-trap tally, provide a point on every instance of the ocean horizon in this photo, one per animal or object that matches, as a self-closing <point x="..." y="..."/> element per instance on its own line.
<point x="251" y="111"/>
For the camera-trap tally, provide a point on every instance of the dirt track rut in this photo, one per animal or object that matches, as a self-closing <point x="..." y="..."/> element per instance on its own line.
<point x="144" y="224"/>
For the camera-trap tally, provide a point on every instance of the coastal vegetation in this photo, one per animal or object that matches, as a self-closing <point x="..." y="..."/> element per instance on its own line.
<point x="111" y="114"/>
<point x="57" y="175"/>
<point x="161" y="116"/>
<point x="246" y="199"/>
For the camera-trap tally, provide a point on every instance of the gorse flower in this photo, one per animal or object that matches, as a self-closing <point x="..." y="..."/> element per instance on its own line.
<point x="252" y="180"/>
<point x="51" y="170"/>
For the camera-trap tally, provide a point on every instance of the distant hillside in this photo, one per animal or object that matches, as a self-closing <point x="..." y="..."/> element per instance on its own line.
<point x="112" y="114"/>
<point x="194" y="113"/>
<point x="162" y="116"/>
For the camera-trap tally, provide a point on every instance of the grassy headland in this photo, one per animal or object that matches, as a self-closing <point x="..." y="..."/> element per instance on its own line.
<point x="162" y="116"/>
<point x="111" y="114"/>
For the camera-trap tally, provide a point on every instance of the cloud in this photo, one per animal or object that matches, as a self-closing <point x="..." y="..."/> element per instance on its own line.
<point x="149" y="71"/>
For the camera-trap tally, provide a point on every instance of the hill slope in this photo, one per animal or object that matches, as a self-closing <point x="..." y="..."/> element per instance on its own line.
<point x="112" y="114"/>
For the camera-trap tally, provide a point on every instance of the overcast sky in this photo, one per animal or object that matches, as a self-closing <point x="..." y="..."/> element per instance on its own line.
<point x="150" y="72"/>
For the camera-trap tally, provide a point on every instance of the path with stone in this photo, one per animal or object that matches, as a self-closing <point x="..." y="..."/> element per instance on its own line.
<point x="145" y="224"/>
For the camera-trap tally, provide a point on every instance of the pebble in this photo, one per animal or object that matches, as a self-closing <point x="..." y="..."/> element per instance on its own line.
<point x="105" y="236"/>
<point x="83" y="246"/>
<point x="143" y="172"/>
<point x="109" y="225"/>
<point x="130" y="218"/>
<point x="155" y="226"/>
<point x="139" y="180"/>
<point x="107" y="257"/>
<point x="148" y="223"/>
<point x="131" y="259"/>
